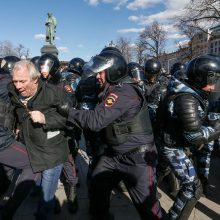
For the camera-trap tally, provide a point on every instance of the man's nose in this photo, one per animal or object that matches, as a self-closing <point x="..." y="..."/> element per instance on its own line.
<point x="18" y="85"/>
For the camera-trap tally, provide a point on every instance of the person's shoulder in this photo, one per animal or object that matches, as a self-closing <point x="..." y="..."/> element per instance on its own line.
<point x="52" y="88"/>
<point x="124" y="90"/>
<point x="124" y="87"/>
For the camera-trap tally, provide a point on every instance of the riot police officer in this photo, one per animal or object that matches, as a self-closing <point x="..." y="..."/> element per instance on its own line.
<point x="181" y="116"/>
<point x="136" y="71"/>
<point x="154" y="89"/>
<point x="48" y="66"/>
<point x="175" y="67"/>
<point x="131" y="154"/>
<point x="87" y="97"/>
<point x="76" y="65"/>
<point x="8" y="62"/>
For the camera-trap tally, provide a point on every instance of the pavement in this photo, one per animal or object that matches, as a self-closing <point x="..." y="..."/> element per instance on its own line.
<point x="121" y="204"/>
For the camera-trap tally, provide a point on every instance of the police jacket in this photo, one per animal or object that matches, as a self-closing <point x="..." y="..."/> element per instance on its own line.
<point x="154" y="92"/>
<point x="46" y="144"/>
<point x="7" y="136"/>
<point x="182" y="116"/>
<point x="122" y="116"/>
<point x="87" y="93"/>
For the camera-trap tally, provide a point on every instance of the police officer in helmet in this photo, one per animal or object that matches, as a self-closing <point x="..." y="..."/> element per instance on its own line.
<point x="7" y="63"/>
<point x="76" y="66"/>
<point x="136" y="72"/>
<point x="48" y="67"/>
<point x="175" y="67"/>
<point x="182" y="121"/>
<point x="126" y="127"/>
<point x="154" y="89"/>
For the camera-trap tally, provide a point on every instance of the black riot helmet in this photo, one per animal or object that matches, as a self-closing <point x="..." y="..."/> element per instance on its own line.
<point x="180" y="75"/>
<point x="8" y="62"/>
<point x="111" y="48"/>
<point x="175" y="67"/>
<point x="152" y="67"/>
<point x="76" y="65"/>
<point x="35" y="61"/>
<point x="112" y="62"/>
<point x="49" y="63"/>
<point x="203" y="70"/>
<point x="136" y="71"/>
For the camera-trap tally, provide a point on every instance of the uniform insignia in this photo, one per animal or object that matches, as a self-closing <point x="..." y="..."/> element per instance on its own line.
<point x="111" y="100"/>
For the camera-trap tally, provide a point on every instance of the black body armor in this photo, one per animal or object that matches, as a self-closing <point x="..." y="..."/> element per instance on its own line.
<point x="117" y="132"/>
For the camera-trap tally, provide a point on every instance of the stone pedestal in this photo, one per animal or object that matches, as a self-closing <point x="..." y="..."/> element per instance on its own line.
<point x="49" y="49"/>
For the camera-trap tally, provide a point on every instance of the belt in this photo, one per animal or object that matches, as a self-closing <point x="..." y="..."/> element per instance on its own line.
<point x="140" y="149"/>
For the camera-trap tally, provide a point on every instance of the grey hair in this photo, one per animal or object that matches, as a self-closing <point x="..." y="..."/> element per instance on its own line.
<point x="32" y="70"/>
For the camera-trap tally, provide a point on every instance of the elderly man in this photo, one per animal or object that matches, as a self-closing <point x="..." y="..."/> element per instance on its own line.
<point x="13" y="155"/>
<point x="41" y="128"/>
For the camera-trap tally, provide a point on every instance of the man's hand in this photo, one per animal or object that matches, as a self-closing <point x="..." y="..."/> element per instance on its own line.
<point x="37" y="117"/>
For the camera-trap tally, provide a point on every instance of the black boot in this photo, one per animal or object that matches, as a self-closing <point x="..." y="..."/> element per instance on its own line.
<point x="72" y="199"/>
<point x="205" y="184"/>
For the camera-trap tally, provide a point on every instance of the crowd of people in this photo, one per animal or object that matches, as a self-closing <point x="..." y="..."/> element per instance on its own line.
<point x="139" y="123"/>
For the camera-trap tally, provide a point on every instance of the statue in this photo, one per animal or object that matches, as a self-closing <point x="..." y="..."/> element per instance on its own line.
<point x="51" y="24"/>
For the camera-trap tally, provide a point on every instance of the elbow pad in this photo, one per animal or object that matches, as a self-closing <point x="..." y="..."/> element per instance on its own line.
<point x="188" y="112"/>
<point x="203" y="136"/>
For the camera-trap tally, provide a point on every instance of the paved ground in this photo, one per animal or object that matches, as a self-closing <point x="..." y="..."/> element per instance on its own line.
<point x="121" y="205"/>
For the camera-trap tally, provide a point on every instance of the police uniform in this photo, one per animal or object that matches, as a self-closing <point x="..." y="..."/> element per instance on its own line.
<point x="182" y="115"/>
<point x="131" y="154"/>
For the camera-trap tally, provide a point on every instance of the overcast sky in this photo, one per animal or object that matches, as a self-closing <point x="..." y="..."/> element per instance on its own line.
<point x="84" y="27"/>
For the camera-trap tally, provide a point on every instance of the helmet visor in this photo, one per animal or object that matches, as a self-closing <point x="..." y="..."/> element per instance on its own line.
<point x="96" y="65"/>
<point x="138" y="74"/>
<point x="45" y="65"/>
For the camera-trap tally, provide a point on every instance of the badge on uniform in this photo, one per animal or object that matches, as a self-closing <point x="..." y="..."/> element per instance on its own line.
<point x="111" y="100"/>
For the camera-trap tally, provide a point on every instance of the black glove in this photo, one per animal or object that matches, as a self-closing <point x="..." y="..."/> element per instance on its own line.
<point x="63" y="109"/>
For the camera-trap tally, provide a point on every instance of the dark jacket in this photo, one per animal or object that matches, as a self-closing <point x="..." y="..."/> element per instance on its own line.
<point x="7" y="137"/>
<point x="46" y="144"/>
<point x="121" y="103"/>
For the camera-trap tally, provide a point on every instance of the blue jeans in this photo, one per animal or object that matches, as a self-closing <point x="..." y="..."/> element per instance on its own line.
<point x="49" y="184"/>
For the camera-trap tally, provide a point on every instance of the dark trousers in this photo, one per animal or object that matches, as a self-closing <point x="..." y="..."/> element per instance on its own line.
<point x="69" y="171"/>
<point x="15" y="157"/>
<point x="137" y="170"/>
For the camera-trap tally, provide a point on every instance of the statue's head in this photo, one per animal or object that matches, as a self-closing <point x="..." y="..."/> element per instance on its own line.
<point x="49" y="14"/>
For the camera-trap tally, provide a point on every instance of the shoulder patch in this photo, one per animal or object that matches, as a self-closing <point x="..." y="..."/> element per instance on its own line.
<point x="111" y="100"/>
